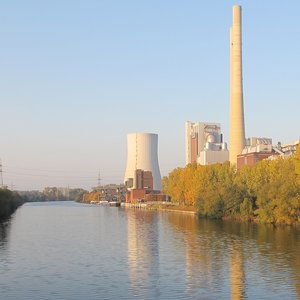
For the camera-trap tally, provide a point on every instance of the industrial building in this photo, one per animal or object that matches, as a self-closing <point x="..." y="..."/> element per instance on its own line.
<point x="256" y="149"/>
<point x="143" y="179"/>
<point x="286" y="150"/>
<point x="204" y="143"/>
<point x="261" y="148"/>
<point x="142" y="170"/>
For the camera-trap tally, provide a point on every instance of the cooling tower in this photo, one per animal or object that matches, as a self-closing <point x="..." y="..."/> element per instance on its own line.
<point x="142" y="154"/>
<point x="237" y="126"/>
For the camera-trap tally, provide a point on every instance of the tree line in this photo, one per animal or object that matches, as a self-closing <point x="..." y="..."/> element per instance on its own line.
<point x="9" y="202"/>
<point x="267" y="192"/>
<point x="53" y="194"/>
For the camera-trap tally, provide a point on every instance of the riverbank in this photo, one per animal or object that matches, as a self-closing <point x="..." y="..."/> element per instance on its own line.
<point x="169" y="207"/>
<point x="161" y="207"/>
<point x="9" y="202"/>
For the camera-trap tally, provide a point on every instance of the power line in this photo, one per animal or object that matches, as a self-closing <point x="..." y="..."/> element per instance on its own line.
<point x="48" y="170"/>
<point x="60" y="176"/>
<point x="51" y="176"/>
<point x="39" y="170"/>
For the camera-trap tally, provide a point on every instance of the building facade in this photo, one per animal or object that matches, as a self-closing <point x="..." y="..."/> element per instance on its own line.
<point x="204" y="143"/>
<point x="256" y="149"/>
<point x="261" y="148"/>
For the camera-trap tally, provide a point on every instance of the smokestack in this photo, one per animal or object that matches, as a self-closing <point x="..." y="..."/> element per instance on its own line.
<point x="237" y="125"/>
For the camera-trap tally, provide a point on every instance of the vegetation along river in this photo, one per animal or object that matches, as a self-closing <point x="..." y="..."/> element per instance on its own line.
<point x="66" y="250"/>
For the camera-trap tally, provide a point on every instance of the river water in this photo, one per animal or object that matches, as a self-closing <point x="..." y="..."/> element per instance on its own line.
<point x="66" y="250"/>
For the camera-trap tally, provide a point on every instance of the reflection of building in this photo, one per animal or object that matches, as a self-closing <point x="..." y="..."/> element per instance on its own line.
<point x="204" y="143"/>
<point x="143" y="253"/>
<point x="237" y="273"/>
<point x="237" y="125"/>
<point x="142" y="159"/>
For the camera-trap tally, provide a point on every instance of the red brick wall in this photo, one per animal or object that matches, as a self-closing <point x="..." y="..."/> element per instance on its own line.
<point x="134" y="195"/>
<point x="148" y="180"/>
<point x="250" y="159"/>
<point x="144" y="179"/>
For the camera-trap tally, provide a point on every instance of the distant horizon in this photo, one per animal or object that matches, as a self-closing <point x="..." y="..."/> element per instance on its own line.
<point x="76" y="79"/>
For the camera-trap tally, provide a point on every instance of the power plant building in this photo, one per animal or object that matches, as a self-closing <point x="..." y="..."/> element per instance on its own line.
<point x="256" y="150"/>
<point x="204" y="143"/>
<point x="237" y="125"/>
<point x="142" y="170"/>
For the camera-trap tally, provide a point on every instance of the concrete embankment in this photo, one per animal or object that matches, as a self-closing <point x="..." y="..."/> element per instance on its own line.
<point x="158" y="206"/>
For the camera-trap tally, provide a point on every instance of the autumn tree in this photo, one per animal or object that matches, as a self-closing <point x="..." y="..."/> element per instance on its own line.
<point x="268" y="192"/>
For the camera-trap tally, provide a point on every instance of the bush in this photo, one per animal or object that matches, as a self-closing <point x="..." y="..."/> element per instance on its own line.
<point x="9" y="202"/>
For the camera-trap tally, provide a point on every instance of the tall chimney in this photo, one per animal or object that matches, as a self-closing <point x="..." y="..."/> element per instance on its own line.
<point x="237" y="125"/>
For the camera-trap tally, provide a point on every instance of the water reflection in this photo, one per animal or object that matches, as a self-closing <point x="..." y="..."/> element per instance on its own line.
<point x="241" y="256"/>
<point x="4" y="232"/>
<point x="91" y="252"/>
<point x="237" y="274"/>
<point x="275" y="249"/>
<point x="205" y="259"/>
<point x="143" y="253"/>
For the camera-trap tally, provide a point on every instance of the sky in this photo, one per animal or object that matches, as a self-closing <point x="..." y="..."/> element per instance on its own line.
<point x="77" y="76"/>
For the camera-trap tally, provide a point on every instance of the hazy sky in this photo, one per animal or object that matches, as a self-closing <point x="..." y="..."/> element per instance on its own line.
<point x="77" y="76"/>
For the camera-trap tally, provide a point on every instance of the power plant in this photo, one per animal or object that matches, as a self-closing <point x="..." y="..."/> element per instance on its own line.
<point x="204" y="144"/>
<point x="142" y="162"/>
<point x="204" y="141"/>
<point x="237" y="125"/>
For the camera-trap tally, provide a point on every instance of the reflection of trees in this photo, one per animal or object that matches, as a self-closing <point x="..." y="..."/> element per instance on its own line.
<point x="206" y="261"/>
<point x="277" y="247"/>
<point x="281" y="244"/>
<point x="4" y="232"/>
<point x="213" y="246"/>
<point x="143" y="253"/>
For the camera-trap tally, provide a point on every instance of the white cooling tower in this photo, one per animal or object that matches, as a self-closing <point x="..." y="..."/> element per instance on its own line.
<point x="142" y="154"/>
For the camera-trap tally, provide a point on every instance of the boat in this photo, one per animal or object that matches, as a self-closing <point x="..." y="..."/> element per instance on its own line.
<point x="114" y="203"/>
<point x="103" y="202"/>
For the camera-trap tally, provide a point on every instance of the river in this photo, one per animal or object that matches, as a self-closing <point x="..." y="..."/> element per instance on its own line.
<point x="66" y="250"/>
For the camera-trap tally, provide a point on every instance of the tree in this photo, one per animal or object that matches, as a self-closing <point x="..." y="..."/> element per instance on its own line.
<point x="297" y="164"/>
